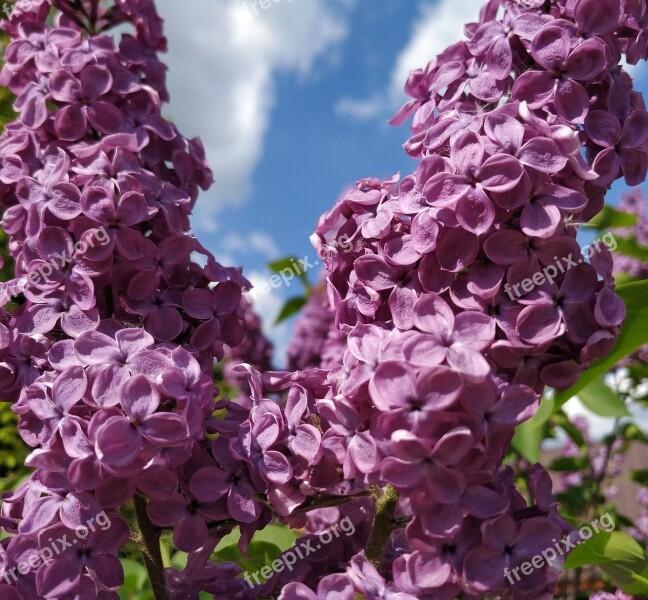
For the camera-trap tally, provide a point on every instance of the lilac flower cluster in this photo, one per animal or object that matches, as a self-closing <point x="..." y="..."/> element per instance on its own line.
<point x="109" y="360"/>
<point x="518" y="132"/>
<point x="269" y="459"/>
<point x="359" y="574"/>
<point x="109" y="363"/>
<point x="640" y="529"/>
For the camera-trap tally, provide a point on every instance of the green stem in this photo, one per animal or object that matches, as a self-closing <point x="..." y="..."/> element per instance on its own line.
<point x="593" y="505"/>
<point x="383" y="525"/>
<point x="151" y="550"/>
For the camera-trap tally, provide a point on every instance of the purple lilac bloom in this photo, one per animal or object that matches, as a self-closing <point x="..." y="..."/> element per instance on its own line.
<point x="108" y="360"/>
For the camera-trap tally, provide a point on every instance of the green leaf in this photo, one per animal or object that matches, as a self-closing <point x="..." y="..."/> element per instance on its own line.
<point x="266" y="546"/>
<point x="290" y="265"/>
<point x="561" y="420"/>
<point x="602" y="400"/>
<point x="631" y="578"/>
<point x="633" y="335"/>
<point x="625" y="278"/>
<point x="136" y="586"/>
<point x="573" y="499"/>
<point x="640" y="476"/>
<point x="631" y="247"/>
<point x="231" y="538"/>
<point x="529" y="435"/>
<point x="611" y="217"/>
<point x="638" y="371"/>
<point x="291" y="308"/>
<point x="566" y="464"/>
<point x="280" y="535"/>
<point x="605" y="547"/>
<point x="630" y="432"/>
<point x="575" y="522"/>
<point x="261" y="554"/>
<point x="287" y="263"/>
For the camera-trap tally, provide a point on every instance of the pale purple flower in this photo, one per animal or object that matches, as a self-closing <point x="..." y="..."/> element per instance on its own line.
<point x="475" y="183"/>
<point x="426" y="466"/>
<point x="82" y="96"/>
<point x="506" y="546"/>
<point x="121" y="438"/>
<point x="567" y="65"/>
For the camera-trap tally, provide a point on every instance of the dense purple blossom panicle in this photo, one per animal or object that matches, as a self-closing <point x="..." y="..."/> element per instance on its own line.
<point x="108" y="359"/>
<point x="518" y="131"/>
<point x="316" y="343"/>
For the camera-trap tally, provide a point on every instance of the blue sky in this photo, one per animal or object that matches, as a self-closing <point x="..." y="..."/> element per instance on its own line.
<point x="292" y="103"/>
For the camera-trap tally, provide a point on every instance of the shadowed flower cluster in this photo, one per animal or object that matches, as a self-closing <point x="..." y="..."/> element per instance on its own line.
<point x="316" y="341"/>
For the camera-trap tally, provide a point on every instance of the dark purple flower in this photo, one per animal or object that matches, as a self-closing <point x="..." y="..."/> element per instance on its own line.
<point x="623" y="148"/>
<point x="93" y="556"/>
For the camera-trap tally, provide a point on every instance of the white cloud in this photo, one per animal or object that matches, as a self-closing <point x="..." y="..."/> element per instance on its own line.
<point x="361" y="110"/>
<point x="250" y="241"/>
<point x="264" y="244"/>
<point x="599" y="426"/>
<point x="438" y="26"/>
<point x="222" y="62"/>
